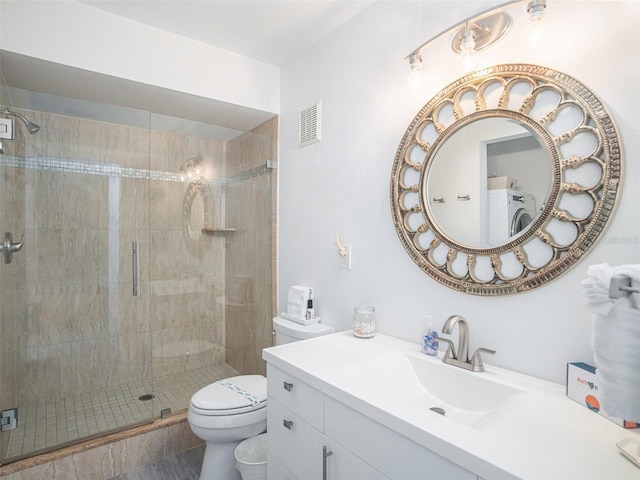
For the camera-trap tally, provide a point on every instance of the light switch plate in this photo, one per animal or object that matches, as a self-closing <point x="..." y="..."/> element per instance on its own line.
<point x="345" y="260"/>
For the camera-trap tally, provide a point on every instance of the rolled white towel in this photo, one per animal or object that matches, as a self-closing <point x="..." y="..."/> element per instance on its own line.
<point x="616" y="347"/>
<point x="616" y="336"/>
<point x="297" y="300"/>
<point x="620" y="393"/>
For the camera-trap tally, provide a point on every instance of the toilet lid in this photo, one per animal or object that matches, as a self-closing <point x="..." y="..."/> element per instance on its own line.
<point x="231" y="396"/>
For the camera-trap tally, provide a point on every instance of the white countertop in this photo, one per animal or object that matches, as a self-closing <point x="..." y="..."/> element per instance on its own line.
<point x="540" y="435"/>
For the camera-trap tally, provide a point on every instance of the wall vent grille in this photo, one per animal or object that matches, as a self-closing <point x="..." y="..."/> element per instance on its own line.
<point x="309" y="131"/>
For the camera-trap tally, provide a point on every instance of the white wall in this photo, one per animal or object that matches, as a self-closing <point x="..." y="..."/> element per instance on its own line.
<point x="74" y="34"/>
<point x="341" y="185"/>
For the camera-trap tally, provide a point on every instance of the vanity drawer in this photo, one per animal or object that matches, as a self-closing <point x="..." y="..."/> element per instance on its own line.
<point x="294" y="442"/>
<point x="297" y="396"/>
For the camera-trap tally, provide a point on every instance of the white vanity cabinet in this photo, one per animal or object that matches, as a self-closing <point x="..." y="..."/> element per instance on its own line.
<point x="298" y="448"/>
<point x="368" y="402"/>
<point x="313" y="436"/>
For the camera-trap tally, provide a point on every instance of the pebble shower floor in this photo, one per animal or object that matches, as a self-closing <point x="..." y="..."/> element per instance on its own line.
<point x="45" y="425"/>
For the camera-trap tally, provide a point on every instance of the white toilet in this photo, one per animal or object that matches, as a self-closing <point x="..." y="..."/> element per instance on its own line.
<point x="223" y="414"/>
<point x="234" y="409"/>
<point x="286" y="331"/>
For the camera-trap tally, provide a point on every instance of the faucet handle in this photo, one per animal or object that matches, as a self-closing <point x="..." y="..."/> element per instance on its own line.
<point x="451" y="351"/>
<point x="476" y="359"/>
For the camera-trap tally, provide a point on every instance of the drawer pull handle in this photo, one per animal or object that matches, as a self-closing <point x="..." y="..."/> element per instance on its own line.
<point x="325" y="453"/>
<point x="288" y="386"/>
<point x="287" y="424"/>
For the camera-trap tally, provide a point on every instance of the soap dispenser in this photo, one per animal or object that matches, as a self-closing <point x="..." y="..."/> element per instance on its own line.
<point x="429" y="341"/>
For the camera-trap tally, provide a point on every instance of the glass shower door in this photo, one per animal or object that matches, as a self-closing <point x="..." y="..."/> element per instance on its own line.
<point x="74" y="339"/>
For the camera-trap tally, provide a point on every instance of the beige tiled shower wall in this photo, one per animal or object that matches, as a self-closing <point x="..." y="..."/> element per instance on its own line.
<point x="69" y="321"/>
<point x="186" y="269"/>
<point x="250" y="267"/>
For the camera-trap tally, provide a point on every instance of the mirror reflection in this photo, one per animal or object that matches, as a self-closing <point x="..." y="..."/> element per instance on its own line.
<point x="488" y="182"/>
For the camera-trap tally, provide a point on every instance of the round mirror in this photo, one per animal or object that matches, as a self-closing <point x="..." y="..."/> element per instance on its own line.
<point x="488" y="181"/>
<point x="505" y="179"/>
<point x="196" y="214"/>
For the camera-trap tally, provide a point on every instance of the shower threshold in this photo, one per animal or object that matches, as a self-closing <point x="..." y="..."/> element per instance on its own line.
<point x="44" y="426"/>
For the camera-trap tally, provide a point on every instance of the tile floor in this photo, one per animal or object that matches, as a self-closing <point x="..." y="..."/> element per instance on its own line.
<point x="45" y="425"/>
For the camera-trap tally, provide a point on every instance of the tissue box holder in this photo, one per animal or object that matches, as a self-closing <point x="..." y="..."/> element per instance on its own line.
<point x="582" y="387"/>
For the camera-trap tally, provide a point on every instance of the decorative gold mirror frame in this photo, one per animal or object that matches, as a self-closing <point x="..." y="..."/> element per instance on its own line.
<point x="606" y="155"/>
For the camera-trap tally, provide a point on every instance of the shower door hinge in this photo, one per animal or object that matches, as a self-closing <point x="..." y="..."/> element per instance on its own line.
<point x="8" y="419"/>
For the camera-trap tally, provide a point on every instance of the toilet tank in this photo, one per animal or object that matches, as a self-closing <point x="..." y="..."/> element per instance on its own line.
<point x="286" y="331"/>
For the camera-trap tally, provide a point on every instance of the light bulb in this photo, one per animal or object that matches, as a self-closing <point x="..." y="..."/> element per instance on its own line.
<point x="537" y="31"/>
<point x="536" y="34"/>
<point x="417" y="79"/>
<point x="468" y="60"/>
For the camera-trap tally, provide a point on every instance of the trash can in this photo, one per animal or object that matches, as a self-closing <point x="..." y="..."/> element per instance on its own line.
<point x="251" y="458"/>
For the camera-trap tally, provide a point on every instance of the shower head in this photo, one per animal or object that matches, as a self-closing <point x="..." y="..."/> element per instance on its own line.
<point x="31" y="127"/>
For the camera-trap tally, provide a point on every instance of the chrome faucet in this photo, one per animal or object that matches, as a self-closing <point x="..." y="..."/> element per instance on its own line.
<point x="461" y="358"/>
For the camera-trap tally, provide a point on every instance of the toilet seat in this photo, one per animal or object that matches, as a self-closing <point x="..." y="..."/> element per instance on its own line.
<point x="231" y="396"/>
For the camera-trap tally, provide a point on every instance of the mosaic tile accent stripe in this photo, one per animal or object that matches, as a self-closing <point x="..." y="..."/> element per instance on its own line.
<point x="113" y="170"/>
<point x="249" y="174"/>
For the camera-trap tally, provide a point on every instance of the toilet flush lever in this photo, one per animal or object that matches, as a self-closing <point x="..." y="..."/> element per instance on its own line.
<point x="9" y="248"/>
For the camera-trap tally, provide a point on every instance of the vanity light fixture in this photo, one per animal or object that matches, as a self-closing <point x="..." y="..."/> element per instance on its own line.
<point x="477" y="33"/>
<point x="191" y="169"/>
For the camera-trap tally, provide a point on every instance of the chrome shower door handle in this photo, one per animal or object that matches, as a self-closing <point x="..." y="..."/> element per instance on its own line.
<point x="135" y="268"/>
<point x="9" y="248"/>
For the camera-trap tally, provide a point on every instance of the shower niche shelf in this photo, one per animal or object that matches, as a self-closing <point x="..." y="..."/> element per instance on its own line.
<point x="212" y="230"/>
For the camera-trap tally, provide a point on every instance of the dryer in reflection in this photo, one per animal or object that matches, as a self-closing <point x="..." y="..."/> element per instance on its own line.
<point x="509" y="213"/>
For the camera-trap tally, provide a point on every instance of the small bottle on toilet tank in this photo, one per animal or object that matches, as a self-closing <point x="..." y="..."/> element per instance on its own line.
<point x="310" y="314"/>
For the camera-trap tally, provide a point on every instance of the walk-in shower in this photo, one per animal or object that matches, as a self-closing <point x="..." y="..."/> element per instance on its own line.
<point x="82" y="353"/>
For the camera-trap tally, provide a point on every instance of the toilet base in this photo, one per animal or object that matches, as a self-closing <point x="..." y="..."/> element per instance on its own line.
<point x="219" y="462"/>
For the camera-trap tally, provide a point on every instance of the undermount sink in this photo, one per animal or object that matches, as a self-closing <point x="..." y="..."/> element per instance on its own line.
<point x="471" y="391"/>
<point x="428" y="383"/>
